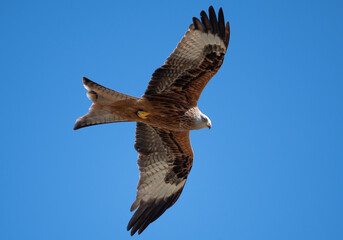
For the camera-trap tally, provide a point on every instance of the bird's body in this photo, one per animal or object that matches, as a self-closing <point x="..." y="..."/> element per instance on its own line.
<point x="165" y="114"/>
<point x="162" y="112"/>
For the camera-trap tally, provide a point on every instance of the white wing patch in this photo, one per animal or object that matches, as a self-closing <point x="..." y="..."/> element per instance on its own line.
<point x="190" y="48"/>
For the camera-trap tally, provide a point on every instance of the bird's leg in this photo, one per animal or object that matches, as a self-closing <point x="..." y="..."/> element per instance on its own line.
<point x="142" y="114"/>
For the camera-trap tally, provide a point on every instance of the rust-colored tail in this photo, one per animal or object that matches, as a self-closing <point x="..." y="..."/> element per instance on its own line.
<point x="100" y="111"/>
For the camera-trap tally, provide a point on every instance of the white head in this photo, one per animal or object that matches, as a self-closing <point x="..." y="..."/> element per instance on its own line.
<point x="202" y="121"/>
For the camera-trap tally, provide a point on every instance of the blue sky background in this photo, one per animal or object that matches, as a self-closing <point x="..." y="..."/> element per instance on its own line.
<point x="270" y="168"/>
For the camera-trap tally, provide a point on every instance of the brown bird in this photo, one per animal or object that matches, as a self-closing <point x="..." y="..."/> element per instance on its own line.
<point x="165" y="114"/>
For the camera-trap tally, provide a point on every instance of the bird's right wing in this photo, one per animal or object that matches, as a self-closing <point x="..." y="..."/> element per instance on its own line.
<point x="165" y="160"/>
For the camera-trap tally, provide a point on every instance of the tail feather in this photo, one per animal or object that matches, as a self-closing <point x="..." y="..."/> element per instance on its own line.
<point x="97" y="115"/>
<point x="102" y="95"/>
<point x="100" y="111"/>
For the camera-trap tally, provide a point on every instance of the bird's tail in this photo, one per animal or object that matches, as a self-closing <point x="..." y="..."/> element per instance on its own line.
<point x="101" y="110"/>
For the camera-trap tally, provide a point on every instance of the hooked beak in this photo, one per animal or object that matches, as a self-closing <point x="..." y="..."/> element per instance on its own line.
<point x="209" y="125"/>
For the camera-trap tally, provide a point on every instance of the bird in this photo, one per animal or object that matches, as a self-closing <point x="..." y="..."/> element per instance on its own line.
<point x="165" y="115"/>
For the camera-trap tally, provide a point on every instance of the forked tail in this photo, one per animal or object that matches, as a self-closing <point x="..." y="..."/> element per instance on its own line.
<point x="100" y="111"/>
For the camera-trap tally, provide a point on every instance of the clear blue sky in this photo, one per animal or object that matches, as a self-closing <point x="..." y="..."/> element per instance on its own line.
<point x="271" y="167"/>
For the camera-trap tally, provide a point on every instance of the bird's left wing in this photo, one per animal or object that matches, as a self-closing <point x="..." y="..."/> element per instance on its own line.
<point x="196" y="59"/>
<point x="165" y="159"/>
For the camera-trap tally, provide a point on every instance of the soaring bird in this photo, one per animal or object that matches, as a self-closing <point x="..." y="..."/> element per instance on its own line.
<point x="165" y="114"/>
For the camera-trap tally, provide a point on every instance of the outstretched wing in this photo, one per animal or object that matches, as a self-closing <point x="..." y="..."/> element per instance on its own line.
<point x="165" y="159"/>
<point x="196" y="59"/>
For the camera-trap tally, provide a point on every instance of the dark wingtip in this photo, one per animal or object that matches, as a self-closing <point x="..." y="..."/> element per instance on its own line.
<point x="205" y="21"/>
<point x="213" y="19"/>
<point x="203" y="13"/>
<point x="211" y="9"/>
<point x="214" y="23"/>
<point x="197" y="24"/>
<point x="148" y="212"/>
<point x="227" y="33"/>
<point x="221" y="23"/>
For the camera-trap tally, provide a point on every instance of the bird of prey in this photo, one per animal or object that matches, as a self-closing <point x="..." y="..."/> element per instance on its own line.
<point x="165" y="114"/>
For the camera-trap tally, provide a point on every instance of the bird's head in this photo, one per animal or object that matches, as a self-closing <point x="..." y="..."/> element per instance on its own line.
<point x="201" y="121"/>
<point x="206" y="120"/>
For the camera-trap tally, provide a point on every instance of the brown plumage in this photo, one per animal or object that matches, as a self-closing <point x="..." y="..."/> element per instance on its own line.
<point x="165" y="114"/>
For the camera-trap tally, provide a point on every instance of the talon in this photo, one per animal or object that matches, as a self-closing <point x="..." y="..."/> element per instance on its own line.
<point x="142" y="114"/>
